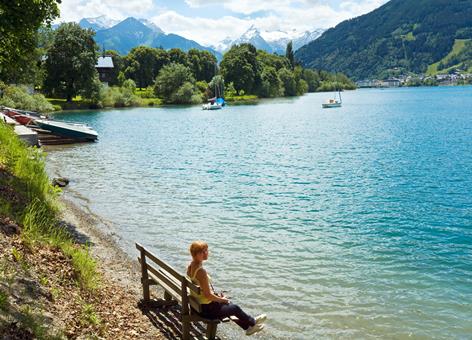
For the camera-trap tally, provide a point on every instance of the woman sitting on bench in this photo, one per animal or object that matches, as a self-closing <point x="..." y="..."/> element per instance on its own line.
<point x="217" y="306"/>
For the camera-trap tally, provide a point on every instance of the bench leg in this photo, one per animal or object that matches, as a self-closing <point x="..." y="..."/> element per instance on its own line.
<point x="146" y="294"/>
<point x="185" y="329"/>
<point x="211" y="330"/>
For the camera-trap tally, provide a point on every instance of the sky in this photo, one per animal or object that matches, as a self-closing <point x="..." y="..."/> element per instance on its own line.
<point x="210" y="21"/>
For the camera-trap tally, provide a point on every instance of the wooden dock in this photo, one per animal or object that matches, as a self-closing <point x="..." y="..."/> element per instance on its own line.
<point x="27" y="135"/>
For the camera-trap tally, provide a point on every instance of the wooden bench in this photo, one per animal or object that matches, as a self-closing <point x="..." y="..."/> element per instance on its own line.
<point x="177" y="288"/>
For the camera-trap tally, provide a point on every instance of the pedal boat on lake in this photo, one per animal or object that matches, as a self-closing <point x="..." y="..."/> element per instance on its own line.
<point x="79" y="132"/>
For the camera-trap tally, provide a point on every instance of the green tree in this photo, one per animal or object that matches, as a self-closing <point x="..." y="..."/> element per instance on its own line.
<point x="176" y="55"/>
<point x="175" y="84"/>
<point x="302" y="87"/>
<point x="289" y="54"/>
<point x="70" y="63"/>
<point x="217" y="86"/>
<point x="19" y="23"/>
<point x="202" y="63"/>
<point x="271" y="85"/>
<point x="240" y="66"/>
<point x="312" y="78"/>
<point x="142" y="65"/>
<point x="273" y="60"/>
<point x="289" y="82"/>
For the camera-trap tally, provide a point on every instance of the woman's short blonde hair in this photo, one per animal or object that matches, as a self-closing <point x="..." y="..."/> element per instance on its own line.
<point x="197" y="247"/>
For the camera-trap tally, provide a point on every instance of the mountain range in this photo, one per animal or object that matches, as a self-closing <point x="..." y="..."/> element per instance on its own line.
<point x="131" y="32"/>
<point x="272" y="42"/>
<point x="124" y="35"/>
<point x="399" y="37"/>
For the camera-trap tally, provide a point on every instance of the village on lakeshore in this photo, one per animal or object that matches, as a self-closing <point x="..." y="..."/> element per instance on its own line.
<point x="458" y="77"/>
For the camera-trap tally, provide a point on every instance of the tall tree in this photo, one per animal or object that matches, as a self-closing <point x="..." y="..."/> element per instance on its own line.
<point x="141" y="65"/>
<point x="203" y="64"/>
<point x="71" y="61"/>
<point x="240" y="66"/>
<point x="289" y="54"/>
<point x="19" y="22"/>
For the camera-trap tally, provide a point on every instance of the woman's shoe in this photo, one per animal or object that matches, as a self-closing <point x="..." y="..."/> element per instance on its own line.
<point x="254" y="329"/>
<point x="261" y="318"/>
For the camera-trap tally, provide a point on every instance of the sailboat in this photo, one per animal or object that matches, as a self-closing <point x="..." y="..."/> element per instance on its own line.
<point x="217" y="102"/>
<point x="333" y="102"/>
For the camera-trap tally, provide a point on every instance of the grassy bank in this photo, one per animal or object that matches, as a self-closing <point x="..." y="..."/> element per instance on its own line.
<point x="29" y="213"/>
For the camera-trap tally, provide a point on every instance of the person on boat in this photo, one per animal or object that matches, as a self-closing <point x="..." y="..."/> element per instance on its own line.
<point x="217" y="306"/>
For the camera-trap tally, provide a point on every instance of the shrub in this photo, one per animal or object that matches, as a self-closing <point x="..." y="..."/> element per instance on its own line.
<point x="174" y="84"/>
<point x="18" y="97"/>
<point x="119" y="96"/>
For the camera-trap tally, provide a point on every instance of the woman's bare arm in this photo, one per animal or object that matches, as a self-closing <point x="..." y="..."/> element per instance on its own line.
<point x="202" y="278"/>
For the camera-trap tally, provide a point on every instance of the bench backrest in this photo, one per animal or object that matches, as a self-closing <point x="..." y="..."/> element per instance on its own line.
<point x="174" y="283"/>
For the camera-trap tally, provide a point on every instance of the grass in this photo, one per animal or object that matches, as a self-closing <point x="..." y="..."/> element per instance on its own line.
<point x="3" y="300"/>
<point x="458" y="46"/>
<point x="89" y="316"/>
<point x="151" y="101"/>
<point x="77" y="103"/>
<point x="36" y="206"/>
<point x="244" y="99"/>
<point x="33" y="321"/>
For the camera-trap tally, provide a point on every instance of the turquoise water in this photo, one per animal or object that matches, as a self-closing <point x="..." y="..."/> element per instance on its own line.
<point x="346" y="223"/>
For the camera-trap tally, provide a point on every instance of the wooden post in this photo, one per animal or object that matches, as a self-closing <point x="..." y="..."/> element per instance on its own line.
<point x="145" y="277"/>
<point x="185" y="311"/>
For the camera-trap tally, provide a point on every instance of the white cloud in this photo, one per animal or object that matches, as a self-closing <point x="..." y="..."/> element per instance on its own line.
<point x="203" y="30"/>
<point x="357" y="8"/>
<point x="285" y="15"/>
<point x="74" y="10"/>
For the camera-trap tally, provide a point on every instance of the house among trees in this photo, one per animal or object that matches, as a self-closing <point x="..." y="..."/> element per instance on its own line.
<point x="105" y="68"/>
<point x="391" y="82"/>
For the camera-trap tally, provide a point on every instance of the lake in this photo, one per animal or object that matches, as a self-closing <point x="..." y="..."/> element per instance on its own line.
<point x="338" y="223"/>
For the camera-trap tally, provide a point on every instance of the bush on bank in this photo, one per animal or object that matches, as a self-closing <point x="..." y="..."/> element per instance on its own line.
<point x="18" y="97"/>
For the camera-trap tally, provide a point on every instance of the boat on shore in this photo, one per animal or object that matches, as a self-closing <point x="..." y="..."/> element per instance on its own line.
<point x="78" y="132"/>
<point x="52" y="130"/>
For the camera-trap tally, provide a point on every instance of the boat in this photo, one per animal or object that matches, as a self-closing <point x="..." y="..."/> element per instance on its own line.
<point x="49" y="130"/>
<point x="217" y="102"/>
<point x="78" y="132"/>
<point x="333" y="102"/>
<point x="212" y="106"/>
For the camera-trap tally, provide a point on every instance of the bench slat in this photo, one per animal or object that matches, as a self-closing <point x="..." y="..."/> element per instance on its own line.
<point x="174" y="286"/>
<point x="168" y="289"/>
<point x="163" y="265"/>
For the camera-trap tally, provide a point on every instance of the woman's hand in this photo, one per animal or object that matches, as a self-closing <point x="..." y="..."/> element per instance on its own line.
<point x="224" y="300"/>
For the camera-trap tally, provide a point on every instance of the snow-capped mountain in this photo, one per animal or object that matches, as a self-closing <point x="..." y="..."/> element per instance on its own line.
<point x="253" y="36"/>
<point x="271" y="41"/>
<point x="132" y="32"/>
<point x="151" y="25"/>
<point x="223" y="45"/>
<point x="98" y="23"/>
<point x="307" y="37"/>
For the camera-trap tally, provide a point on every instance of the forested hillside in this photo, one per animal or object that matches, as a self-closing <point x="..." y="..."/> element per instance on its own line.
<point x="400" y="36"/>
